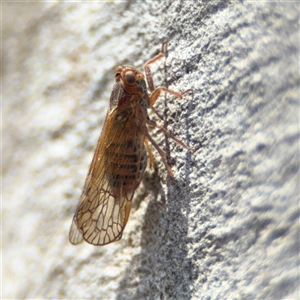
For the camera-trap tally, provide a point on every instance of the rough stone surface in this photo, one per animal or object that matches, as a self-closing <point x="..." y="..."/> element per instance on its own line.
<point x="228" y="228"/>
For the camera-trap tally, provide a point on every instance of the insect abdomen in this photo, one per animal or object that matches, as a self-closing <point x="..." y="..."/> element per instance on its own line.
<point x="128" y="163"/>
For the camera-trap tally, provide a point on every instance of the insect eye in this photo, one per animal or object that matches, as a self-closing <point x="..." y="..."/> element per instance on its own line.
<point x="129" y="77"/>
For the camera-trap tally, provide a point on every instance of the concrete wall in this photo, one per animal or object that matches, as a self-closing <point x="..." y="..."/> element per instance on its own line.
<point x="228" y="228"/>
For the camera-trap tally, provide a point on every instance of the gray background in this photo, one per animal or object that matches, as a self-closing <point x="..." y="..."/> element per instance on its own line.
<point x="229" y="227"/>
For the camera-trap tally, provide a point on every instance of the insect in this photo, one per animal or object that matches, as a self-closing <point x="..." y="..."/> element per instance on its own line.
<point x="120" y="157"/>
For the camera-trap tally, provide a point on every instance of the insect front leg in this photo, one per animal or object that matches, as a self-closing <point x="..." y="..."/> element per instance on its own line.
<point x="148" y="72"/>
<point x="155" y="92"/>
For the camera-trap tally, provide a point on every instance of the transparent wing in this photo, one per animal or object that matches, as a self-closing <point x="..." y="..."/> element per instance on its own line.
<point x="75" y="235"/>
<point x="101" y="219"/>
<point x="105" y="202"/>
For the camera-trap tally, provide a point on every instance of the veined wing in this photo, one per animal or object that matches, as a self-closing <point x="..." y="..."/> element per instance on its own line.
<point x="105" y="202"/>
<point x="102" y="219"/>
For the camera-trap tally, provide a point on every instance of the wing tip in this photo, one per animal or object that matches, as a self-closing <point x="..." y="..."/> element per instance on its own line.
<point x="75" y="235"/>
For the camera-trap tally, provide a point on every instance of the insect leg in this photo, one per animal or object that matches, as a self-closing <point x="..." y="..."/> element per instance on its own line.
<point x="162" y="154"/>
<point x="151" y="61"/>
<point x="170" y="135"/>
<point x="157" y="113"/>
<point x="151" y="156"/>
<point x="155" y="94"/>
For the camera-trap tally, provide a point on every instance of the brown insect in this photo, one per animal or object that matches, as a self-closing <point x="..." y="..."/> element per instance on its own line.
<point x="120" y="158"/>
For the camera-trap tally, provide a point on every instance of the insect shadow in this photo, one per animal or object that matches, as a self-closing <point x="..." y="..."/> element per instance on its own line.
<point x="162" y="269"/>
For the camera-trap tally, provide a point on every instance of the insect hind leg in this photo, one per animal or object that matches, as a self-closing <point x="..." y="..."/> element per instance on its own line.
<point x="162" y="154"/>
